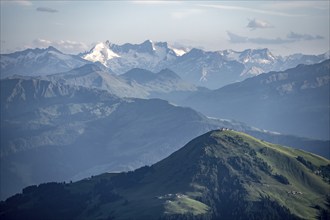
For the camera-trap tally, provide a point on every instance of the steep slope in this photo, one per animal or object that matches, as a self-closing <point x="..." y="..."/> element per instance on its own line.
<point x="221" y="174"/>
<point x="165" y="81"/>
<point x="33" y="62"/>
<point x="295" y="101"/>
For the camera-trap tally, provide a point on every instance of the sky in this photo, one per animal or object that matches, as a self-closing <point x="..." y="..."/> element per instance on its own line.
<point x="285" y="27"/>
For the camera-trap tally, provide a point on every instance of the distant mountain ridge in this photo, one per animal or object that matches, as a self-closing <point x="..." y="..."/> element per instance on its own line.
<point x="221" y="174"/>
<point x="294" y="101"/>
<point x="136" y="83"/>
<point x="35" y="62"/>
<point x="212" y="69"/>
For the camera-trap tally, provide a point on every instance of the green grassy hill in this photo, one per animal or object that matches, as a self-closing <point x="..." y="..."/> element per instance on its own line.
<point x="219" y="175"/>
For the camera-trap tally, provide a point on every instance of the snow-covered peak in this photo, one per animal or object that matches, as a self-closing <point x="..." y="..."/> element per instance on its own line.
<point x="262" y="56"/>
<point x="121" y="58"/>
<point x="179" y="51"/>
<point x="101" y="53"/>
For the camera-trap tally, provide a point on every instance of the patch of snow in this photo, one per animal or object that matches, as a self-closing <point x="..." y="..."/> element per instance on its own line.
<point x="179" y="52"/>
<point x="204" y="75"/>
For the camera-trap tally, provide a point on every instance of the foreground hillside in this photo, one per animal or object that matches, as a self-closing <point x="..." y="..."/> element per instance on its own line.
<point x="220" y="175"/>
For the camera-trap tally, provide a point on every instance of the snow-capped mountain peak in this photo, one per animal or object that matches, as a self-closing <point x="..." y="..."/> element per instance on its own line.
<point x="179" y="51"/>
<point x="101" y="53"/>
<point x="121" y="58"/>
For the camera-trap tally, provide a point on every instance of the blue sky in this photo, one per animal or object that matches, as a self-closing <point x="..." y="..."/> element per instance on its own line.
<point x="285" y="27"/>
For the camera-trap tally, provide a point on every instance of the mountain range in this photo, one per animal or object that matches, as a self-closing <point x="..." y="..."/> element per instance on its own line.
<point x="52" y="131"/>
<point x="212" y="69"/>
<point x="294" y="101"/>
<point x="222" y="174"/>
<point x="176" y="87"/>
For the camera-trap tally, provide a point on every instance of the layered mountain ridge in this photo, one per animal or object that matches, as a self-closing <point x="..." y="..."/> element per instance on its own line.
<point x="294" y="101"/>
<point x="56" y="131"/>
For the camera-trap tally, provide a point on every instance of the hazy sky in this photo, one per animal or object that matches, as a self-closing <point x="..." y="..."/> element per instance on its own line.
<point x="283" y="26"/>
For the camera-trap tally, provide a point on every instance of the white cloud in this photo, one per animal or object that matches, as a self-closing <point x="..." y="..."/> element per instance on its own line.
<point x="66" y="46"/>
<point x="260" y="11"/>
<point x="254" y="24"/>
<point x="45" y="9"/>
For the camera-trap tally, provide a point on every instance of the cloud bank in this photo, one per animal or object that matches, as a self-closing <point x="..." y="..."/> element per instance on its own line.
<point x="298" y="37"/>
<point x="291" y="38"/>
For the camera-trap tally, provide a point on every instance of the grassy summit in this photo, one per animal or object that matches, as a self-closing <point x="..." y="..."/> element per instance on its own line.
<point x="222" y="174"/>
